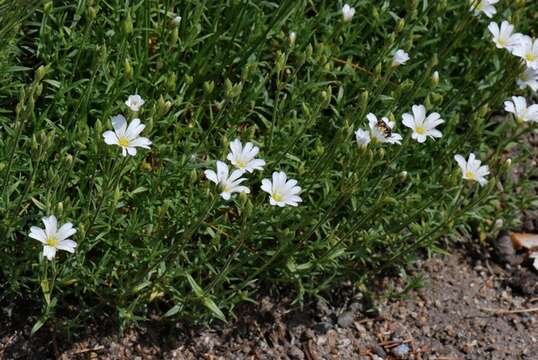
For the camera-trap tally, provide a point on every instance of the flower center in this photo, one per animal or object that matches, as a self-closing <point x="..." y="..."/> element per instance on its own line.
<point x="530" y="57"/>
<point x="420" y="130"/>
<point x="241" y="164"/>
<point x="470" y="175"/>
<point x="277" y="197"/>
<point x="502" y="42"/>
<point x="123" y="142"/>
<point x="52" y="241"/>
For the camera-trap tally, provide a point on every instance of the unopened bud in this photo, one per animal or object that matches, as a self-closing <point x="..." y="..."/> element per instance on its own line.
<point x="40" y="73"/>
<point x="127" y="24"/>
<point x="292" y="37"/>
<point x="209" y="86"/>
<point x="127" y="68"/>
<point x="435" y="78"/>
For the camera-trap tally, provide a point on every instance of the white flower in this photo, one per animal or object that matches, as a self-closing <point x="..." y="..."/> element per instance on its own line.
<point x="363" y="137"/>
<point x="504" y="37"/>
<point x="527" y="49"/>
<point x="126" y="137"/>
<point x="421" y="125"/>
<point x="292" y="37"/>
<point x="471" y="169"/>
<point x="485" y="6"/>
<point x="528" y="78"/>
<point x="400" y="57"/>
<point x="348" y="12"/>
<point x="282" y="191"/>
<point x="52" y="238"/>
<point x="134" y="102"/>
<point x="518" y="107"/>
<point x="176" y="20"/>
<point x="381" y="130"/>
<point x="228" y="184"/>
<point x="243" y="158"/>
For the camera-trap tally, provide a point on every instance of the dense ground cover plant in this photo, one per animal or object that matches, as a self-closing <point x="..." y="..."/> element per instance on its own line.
<point x="261" y="144"/>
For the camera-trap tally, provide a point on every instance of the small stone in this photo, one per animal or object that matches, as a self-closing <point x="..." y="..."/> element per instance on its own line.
<point x="322" y="327"/>
<point x="379" y="351"/>
<point x="401" y="351"/>
<point x="346" y="319"/>
<point x="295" y="353"/>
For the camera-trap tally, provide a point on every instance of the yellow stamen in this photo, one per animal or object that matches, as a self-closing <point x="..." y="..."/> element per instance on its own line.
<point x="123" y="142"/>
<point x="420" y="130"/>
<point x="470" y="175"/>
<point x="530" y="57"/>
<point x="241" y="164"/>
<point x="52" y="242"/>
<point x="277" y="197"/>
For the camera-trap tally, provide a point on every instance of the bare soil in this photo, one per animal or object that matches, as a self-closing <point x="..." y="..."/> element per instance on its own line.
<point x="468" y="309"/>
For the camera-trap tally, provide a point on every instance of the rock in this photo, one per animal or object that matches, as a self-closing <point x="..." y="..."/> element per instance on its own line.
<point x="322" y="327"/>
<point x="346" y="319"/>
<point x="378" y="350"/>
<point x="401" y="351"/>
<point x="295" y="353"/>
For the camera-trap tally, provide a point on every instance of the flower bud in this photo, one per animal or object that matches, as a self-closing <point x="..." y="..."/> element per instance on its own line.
<point x="40" y="73"/>
<point x="127" y="69"/>
<point x="171" y="81"/>
<point x="435" y="78"/>
<point x="403" y="175"/>
<point x="400" y="25"/>
<point x="127" y="24"/>
<point x="280" y="61"/>
<point x="209" y="86"/>
<point x="98" y="126"/>
<point x="193" y="176"/>
<point x="189" y="80"/>
<point x="92" y="12"/>
<point x="174" y="35"/>
<point x="292" y="37"/>
<point x="48" y="7"/>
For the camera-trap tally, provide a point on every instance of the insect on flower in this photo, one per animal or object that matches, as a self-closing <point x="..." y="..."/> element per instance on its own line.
<point x="228" y="184"/>
<point x="52" y="238"/>
<point x="126" y="137"/>
<point x="381" y="130"/>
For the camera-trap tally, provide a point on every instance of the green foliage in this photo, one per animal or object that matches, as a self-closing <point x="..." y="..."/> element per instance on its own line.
<point x="153" y="234"/>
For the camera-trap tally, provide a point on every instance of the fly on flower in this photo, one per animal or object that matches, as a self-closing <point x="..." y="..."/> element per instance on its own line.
<point x="282" y="191"/>
<point x="227" y="183"/>
<point x="52" y="238"/>
<point x="134" y="102"/>
<point x="126" y="137"/>
<point x="522" y="113"/>
<point x="471" y="169"/>
<point x="422" y="126"/>
<point x="244" y="158"/>
<point x="381" y="130"/>
<point x="485" y="6"/>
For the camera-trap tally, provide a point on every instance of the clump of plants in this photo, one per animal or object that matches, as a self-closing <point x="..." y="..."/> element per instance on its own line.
<point x="179" y="157"/>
